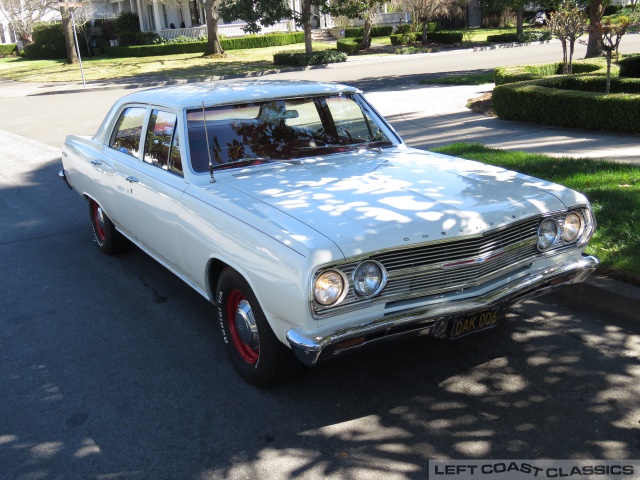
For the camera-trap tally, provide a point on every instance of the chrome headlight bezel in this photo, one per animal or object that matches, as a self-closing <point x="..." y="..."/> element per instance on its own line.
<point x="379" y="284"/>
<point x="338" y="277"/>
<point x="571" y="232"/>
<point x="543" y="244"/>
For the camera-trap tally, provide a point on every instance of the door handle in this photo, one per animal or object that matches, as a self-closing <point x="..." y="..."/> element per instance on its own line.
<point x="96" y="162"/>
<point x="131" y="179"/>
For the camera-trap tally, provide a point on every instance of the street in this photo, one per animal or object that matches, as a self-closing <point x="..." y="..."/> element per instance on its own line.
<point x="112" y="368"/>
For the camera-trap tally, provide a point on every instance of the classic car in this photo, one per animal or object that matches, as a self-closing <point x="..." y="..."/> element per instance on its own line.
<point x="302" y="216"/>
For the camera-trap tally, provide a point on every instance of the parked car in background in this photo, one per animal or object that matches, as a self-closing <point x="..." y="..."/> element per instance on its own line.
<point x="297" y="211"/>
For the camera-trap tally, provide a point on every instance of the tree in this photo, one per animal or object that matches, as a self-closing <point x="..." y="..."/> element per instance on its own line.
<point x="516" y="6"/>
<point x="67" y="29"/>
<point x="363" y="9"/>
<point x="212" y="16"/>
<point x="426" y="11"/>
<point x="22" y="15"/>
<point x="610" y="35"/>
<point x="266" y="13"/>
<point x="568" y="23"/>
<point x="594" y="45"/>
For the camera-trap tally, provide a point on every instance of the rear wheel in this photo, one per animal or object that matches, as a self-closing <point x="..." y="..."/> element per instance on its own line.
<point x="109" y="240"/>
<point x="254" y="350"/>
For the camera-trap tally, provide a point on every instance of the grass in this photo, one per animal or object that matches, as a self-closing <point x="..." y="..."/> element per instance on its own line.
<point x="191" y="66"/>
<point x="461" y="79"/>
<point x="612" y="188"/>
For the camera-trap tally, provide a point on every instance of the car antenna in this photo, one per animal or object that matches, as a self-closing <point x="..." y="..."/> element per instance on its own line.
<point x="206" y="136"/>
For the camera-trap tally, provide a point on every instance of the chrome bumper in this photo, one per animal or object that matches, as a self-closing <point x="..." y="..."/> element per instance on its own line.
<point x="434" y="319"/>
<point x="63" y="175"/>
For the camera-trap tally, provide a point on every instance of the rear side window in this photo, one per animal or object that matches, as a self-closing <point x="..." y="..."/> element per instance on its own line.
<point x="126" y="135"/>
<point x="162" y="147"/>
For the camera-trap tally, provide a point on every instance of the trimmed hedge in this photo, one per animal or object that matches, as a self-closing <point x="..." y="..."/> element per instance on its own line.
<point x="630" y="67"/>
<point x="376" y="31"/>
<point x="540" y="101"/>
<point x="526" y="37"/>
<point x="250" y="41"/>
<point x="8" y="48"/>
<point x="301" y="59"/>
<point x="449" y="37"/>
<point x="400" y="39"/>
<point x="521" y="73"/>
<point x="48" y="43"/>
<point x="350" y="46"/>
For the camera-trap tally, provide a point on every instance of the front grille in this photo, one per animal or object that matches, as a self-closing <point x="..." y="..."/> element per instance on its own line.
<point x="447" y="265"/>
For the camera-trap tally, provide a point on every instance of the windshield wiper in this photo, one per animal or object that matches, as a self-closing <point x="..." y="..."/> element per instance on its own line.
<point x="243" y="161"/>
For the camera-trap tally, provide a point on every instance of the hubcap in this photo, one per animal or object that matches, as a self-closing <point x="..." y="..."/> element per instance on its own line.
<point x="242" y="327"/>
<point x="246" y="325"/>
<point x="100" y="221"/>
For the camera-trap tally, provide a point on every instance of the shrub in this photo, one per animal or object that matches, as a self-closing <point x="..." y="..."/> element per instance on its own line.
<point x="526" y="37"/>
<point x="611" y="10"/>
<point x="48" y="43"/>
<point x="630" y="66"/>
<point x="350" y="46"/>
<point x="520" y="73"/>
<point x="129" y="38"/>
<point x="301" y="59"/>
<point x="250" y="41"/>
<point x="403" y="39"/>
<point x="8" y="49"/>
<point x="404" y="28"/>
<point x="542" y="101"/>
<point x="376" y="31"/>
<point x="449" y="37"/>
<point x="127" y="22"/>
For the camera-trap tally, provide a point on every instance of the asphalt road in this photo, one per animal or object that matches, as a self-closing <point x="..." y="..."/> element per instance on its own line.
<point x="112" y="368"/>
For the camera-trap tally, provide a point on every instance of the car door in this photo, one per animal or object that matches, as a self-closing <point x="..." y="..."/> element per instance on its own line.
<point x="155" y="186"/>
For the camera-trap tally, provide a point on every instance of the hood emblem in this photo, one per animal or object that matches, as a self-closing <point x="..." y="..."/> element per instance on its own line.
<point x="474" y="261"/>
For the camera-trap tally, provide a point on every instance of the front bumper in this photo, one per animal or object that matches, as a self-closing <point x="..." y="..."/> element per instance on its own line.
<point x="433" y="319"/>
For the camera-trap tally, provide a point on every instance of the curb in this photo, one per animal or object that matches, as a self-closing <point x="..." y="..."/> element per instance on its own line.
<point x="605" y="296"/>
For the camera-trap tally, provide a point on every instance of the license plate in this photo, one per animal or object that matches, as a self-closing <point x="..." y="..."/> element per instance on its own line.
<point x="473" y="322"/>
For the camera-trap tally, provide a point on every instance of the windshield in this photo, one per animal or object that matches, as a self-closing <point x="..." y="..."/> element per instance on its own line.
<point x="282" y="130"/>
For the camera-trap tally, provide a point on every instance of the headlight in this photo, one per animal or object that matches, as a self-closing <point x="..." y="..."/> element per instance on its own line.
<point x="572" y="227"/>
<point x="548" y="232"/>
<point x="369" y="278"/>
<point x="330" y="288"/>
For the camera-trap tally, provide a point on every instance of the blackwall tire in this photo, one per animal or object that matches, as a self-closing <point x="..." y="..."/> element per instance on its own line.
<point x="254" y="350"/>
<point x="108" y="239"/>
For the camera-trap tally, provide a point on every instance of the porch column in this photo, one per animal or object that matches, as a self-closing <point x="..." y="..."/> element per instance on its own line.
<point x="138" y="10"/>
<point x="156" y="16"/>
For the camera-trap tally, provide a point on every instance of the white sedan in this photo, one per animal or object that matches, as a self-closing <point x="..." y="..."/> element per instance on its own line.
<point x="315" y="231"/>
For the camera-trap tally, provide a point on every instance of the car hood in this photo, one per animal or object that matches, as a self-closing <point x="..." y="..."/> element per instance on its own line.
<point x="369" y="201"/>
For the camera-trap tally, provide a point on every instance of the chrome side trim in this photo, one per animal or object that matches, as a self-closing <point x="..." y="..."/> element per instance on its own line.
<point x="312" y="349"/>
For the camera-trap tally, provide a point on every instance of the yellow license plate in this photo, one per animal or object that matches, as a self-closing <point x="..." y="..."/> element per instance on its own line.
<point x="473" y="322"/>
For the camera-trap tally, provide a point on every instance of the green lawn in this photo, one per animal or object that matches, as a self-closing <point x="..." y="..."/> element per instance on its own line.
<point x="169" y="66"/>
<point x="612" y="188"/>
<point x="460" y="79"/>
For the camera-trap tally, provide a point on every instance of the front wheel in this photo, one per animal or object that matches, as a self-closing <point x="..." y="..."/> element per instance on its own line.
<point x="254" y="350"/>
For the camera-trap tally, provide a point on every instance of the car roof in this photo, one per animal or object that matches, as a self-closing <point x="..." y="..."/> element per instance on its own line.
<point x="189" y="96"/>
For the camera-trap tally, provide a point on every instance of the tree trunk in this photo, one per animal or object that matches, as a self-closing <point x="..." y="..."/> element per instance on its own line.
<point x="366" y="39"/>
<point x="572" y="42"/>
<point x="565" y="63"/>
<point x="594" y="46"/>
<point x="519" y="20"/>
<point x="425" y="31"/>
<point x="306" y="16"/>
<point x="69" y="42"/>
<point x="213" y="39"/>
<point x="608" y="72"/>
